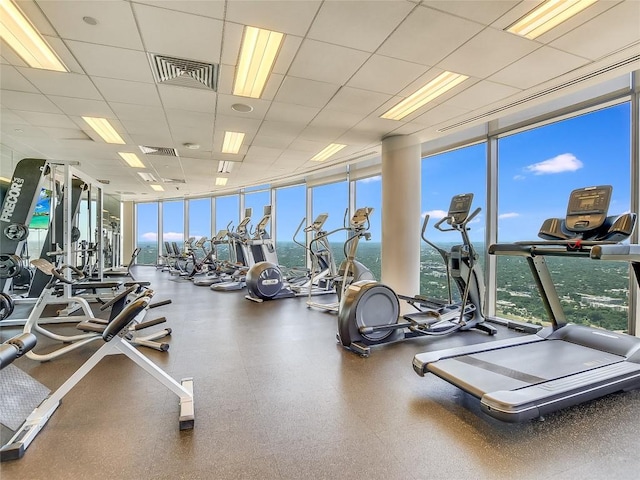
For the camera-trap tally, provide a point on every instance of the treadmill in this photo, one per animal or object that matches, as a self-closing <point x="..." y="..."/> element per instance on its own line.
<point x="522" y="378"/>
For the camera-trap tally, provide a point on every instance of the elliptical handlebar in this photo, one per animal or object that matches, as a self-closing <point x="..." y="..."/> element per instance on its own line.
<point x="303" y="245"/>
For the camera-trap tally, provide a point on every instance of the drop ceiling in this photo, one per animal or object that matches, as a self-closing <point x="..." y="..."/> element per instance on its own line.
<point x="342" y="64"/>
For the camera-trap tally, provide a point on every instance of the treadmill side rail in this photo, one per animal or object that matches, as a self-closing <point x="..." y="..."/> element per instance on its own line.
<point x="422" y="360"/>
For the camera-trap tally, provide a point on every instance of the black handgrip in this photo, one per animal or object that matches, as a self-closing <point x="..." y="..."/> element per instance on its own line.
<point x="160" y="303"/>
<point x="16" y="347"/>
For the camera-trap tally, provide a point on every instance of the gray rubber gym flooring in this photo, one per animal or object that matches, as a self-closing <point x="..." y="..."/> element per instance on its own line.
<point x="276" y="398"/>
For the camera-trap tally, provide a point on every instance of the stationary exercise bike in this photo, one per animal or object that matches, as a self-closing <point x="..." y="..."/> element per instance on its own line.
<point x="369" y="311"/>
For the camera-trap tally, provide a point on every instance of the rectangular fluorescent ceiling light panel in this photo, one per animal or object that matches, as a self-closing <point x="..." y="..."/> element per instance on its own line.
<point x="232" y="142"/>
<point x="257" y="56"/>
<point x="157" y="188"/>
<point x="331" y="149"/>
<point x="221" y="181"/>
<point x="547" y="16"/>
<point x="147" y="177"/>
<point x="436" y="87"/>
<point x="132" y="160"/>
<point x="20" y="34"/>
<point x="224" y="166"/>
<point x="5" y="179"/>
<point x="103" y="128"/>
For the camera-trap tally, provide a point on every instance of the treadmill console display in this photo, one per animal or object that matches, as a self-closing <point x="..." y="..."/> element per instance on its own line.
<point x="318" y="223"/>
<point x="460" y="207"/>
<point x="588" y="208"/>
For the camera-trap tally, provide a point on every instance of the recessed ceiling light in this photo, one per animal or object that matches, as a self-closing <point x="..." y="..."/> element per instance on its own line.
<point x="328" y="151"/>
<point x="157" y="188"/>
<point x="242" y="108"/>
<point x="131" y="159"/>
<point x="27" y="42"/>
<point x="103" y="128"/>
<point x="221" y="181"/>
<point x="436" y="87"/>
<point x="232" y="142"/>
<point x="257" y="56"/>
<point x="547" y="16"/>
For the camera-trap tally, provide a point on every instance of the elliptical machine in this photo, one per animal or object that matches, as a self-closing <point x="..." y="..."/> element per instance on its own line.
<point x="350" y="270"/>
<point x="266" y="281"/>
<point x="369" y="312"/>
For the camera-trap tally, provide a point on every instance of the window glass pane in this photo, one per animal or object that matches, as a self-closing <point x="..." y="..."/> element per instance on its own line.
<point x="290" y="210"/>
<point x="257" y="201"/>
<point x="200" y="218"/>
<point x="369" y="194"/>
<point x="173" y="222"/>
<point x="538" y="169"/>
<point x="226" y="218"/>
<point x="333" y="199"/>
<point x="147" y="233"/>
<point x="442" y="177"/>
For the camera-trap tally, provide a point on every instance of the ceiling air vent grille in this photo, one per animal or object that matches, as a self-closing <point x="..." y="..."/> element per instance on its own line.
<point x="543" y="93"/>
<point x="183" y="72"/>
<point x="173" y="180"/>
<point x="163" y="151"/>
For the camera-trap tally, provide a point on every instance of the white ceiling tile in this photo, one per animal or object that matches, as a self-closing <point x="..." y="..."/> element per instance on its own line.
<point x="279" y="16"/>
<point x="83" y="107"/>
<point x="482" y="94"/>
<point x="199" y="136"/>
<point x="358" y="24"/>
<point x="179" y="34"/>
<point x="46" y="119"/>
<point x="197" y="100"/>
<point x="540" y="66"/>
<point x="30" y="102"/>
<point x="386" y="74"/>
<point x="232" y="39"/>
<point x="275" y="128"/>
<point x="608" y="32"/>
<point x="112" y="62"/>
<point x="288" y="112"/>
<point x="326" y="62"/>
<point x="336" y="118"/>
<point x="427" y="36"/>
<point x="116" y="25"/>
<point x="60" y="47"/>
<point x="309" y="146"/>
<point x="209" y="8"/>
<point x="262" y="154"/>
<point x="279" y="142"/>
<point x="301" y="91"/>
<point x="236" y="124"/>
<point x="487" y="52"/>
<point x="440" y="113"/>
<point x="272" y="87"/>
<point x="12" y="79"/>
<point x="378" y="126"/>
<point x="9" y="117"/>
<point x="186" y="118"/>
<point x="60" y="83"/>
<point x="151" y="139"/>
<point x="288" y="51"/>
<point x="157" y="127"/>
<point x="322" y="133"/>
<point x="481" y="11"/>
<point x="65" y="133"/>
<point x="140" y="113"/>
<point x="122" y="91"/>
<point x="353" y="100"/>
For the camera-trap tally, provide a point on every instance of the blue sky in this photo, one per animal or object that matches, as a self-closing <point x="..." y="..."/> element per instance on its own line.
<point x="537" y="171"/>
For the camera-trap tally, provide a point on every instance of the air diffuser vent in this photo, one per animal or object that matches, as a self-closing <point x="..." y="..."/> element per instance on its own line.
<point x="183" y="72"/>
<point x="542" y="93"/>
<point x="164" y="151"/>
<point x="106" y="182"/>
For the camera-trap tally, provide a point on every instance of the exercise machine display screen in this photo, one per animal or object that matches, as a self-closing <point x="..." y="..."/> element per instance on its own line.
<point x="459" y="207"/>
<point x="588" y="208"/>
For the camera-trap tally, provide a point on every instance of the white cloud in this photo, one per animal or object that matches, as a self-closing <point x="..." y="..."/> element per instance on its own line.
<point x="371" y="179"/>
<point x="565" y="162"/>
<point x="149" y="236"/>
<point x="508" y="215"/>
<point x="519" y="177"/>
<point x="173" y="236"/>
<point x="435" y="214"/>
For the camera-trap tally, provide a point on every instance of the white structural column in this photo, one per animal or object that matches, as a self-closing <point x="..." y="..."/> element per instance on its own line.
<point x="401" y="214"/>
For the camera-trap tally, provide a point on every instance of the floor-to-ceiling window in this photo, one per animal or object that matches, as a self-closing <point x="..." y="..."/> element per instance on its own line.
<point x="333" y="199"/>
<point x="200" y="222"/>
<point x="369" y="194"/>
<point x="173" y="222"/>
<point x="290" y="211"/>
<point x="538" y="168"/>
<point x="147" y="233"/>
<point x="256" y="201"/>
<point x="443" y="176"/>
<point x="227" y="211"/>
